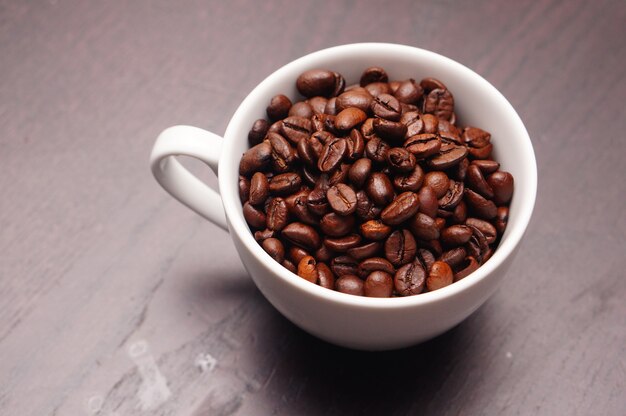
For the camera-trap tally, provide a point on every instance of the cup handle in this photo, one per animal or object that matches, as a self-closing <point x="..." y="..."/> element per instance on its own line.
<point x="178" y="181"/>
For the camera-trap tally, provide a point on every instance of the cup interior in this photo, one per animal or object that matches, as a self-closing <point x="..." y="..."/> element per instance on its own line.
<point x="477" y="103"/>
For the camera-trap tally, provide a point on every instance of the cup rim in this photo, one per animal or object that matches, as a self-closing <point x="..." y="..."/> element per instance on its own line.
<point x="228" y="175"/>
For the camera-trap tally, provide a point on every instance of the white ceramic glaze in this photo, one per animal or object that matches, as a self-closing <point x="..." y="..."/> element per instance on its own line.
<point x="351" y="321"/>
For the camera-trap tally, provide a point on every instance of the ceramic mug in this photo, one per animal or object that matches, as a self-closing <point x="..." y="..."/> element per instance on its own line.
<point x="342" y="319"/>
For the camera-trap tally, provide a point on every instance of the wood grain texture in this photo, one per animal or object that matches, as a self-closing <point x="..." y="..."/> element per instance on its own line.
<point x="106" y="282"/>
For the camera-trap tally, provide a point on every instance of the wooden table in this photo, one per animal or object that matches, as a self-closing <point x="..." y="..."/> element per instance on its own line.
<point x="116" y="300"/>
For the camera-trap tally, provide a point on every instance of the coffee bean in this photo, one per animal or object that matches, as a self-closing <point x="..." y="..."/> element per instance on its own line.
<point x="259" y="189"/>
<point x="502" y="185"/>
<point x="459" y="172"/>
<point x="400" y="247"/>
<point x="475" y="137"/>
<point x="477" y="245"/>
<point x="426" y="257"/>
<point x="378" y="285"/>
<point x="342" y="199"/>
<point x="373" y="264"/>
<point x="349" y="118"/>
<point x="277" y="214"/>
<point x="324" y="254"/>
<point x="391" y="131"/>
<point x="454" y="257"/>
<point x="502" y="219"/>
<point x="444" y="126"/>
<point x="386" y="106"/>
<point x="297" y="205"/>
<point x="411" y="181"/>
<point x="296" y="128"/>
<point x="376" y="149"/>
<point x="318" y="82"/>
<point x="423" y="145"/>
<point x="373" y="74"/>
<point x="318" y="104"/>
<point x="335" y="225"/>
<point x="453" y="196"/>
<point x="400" y="160"/>
<point x="460" y="213"/>
<point x="410" y="279"/>
<point x="310" y="150"/>
<point x="317" y="202"/>
<point x="440" y="276"/>
<point x="477" y="182"/>
<point x="359" y="172"/>
<point x="485" y="227"/>
<point x="296" y="254"/>
<point x="253" y="216"/>
<point x="339" y="175"/>
<point x="375" y="230"/>
<point x="428" y="201"/>
<point x="285" y="183"/>
<point x="439" y="102"/>
<point x="431" y="123"/>
<point x="274" y="248"/>
<point x="408" y="92"/>
<point x="255" y="159"/>
<point x="350" y="284"/>
<point x="332" y="154"/>
<point x="366" y="250"/>
<point x="244" y="188"/>
<point x="429" y="84"/>
<point x="378" y="88"/>
<point x="469" y="266"/>
<point x="331" y="107"/>
<point x="456" y="235"/>
<point x="301" y="109"/>
<point x="342" y="244"/>
<point x="480" y="152"/>
<point x="355" y="145"/>
<point x="325" y="277"/>
<point x="379" y="189"/>
<point x="302" y="235"/>
<point x="486" y="166"/>
<point x="323" y="122"/>
<point x="356" y="99"/>
<point x="344" y="265"/>
<point x="287" y="264"/>
<point x="424" y="227"/>
<point x="283" y="155"/>
<point x="258" y="131"/>
<point x="367" y="128"/>
<point x="261" y="236"/>
<point x="483" y="208"/>
<point x="307" y="269"/>
<point x="438" y="182"/>
<point x="365" y="208"/>
<point x="400" y="209"/>
<point x="448" y="157"/>
<point x="279" y="107"/>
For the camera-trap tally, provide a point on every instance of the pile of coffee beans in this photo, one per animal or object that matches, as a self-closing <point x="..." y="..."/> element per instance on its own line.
<point x="373" y="189"/>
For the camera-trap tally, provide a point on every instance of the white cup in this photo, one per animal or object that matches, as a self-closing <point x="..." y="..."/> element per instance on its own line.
<point x="346" y="320"/>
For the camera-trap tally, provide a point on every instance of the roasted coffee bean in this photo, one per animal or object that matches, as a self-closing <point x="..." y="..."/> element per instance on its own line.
<point x="297" y="253"/>
<point x="453" y="196"/>
<point x="440" y="276"/>
<point x="469" y="266"/>
<point x="486" y="166"/>
<point x="301" y="109"/>
<point x="274" y="248"/>
<point x="408" y="92"/>
<point x="309" y="150"/>
<point x="342" y="199"/>
<point x="279" y="107"/>
<point x="460" y="213"/>
<point x="480" y="152"/>
<point x="302" y="235"/>
<point x="447" y="158"/>
<point x="343" y="265"/>
<point x="376" y="149"/>
<point x="379" y="189"/>
<point x="260" y="236"/>
<point x="331" y="107"/>
<point x="318" y="82"/>
<point x="411" y="181"/>
<point x="481" y="207"/>
<point x="424" y="227"/>
<point x="386" y="106"/>
<point x="426" y="258"/>
<point x="367" y="129"/>
<point x="475" y="137"/>
<point x="325" y="277"/>
<point x="400" y="209"/>
<point x="287" y="264"/>
<point x="440" y="222"/>
<point x="258" y="131"/>
<point x="373" y="74"/>
<point x="350" y="284"/>
<point x="360" y="171"/>
<point x="323" y="122"/>
<point x="428" y="201"/>
<point x="375" y="230"/>
<point x="423" y="145"/>
<point x="323" y="137"/>
<point x="477" y="245"/>
<point x="439" y="102"/>
<point x="429" y="84"/>
<point x="339" y="175"/>
<point x="297" y="206"/>
<point x="485" y="227"/>
<point x="244" y="188"/>
<point x="332" y="154"/>
<point x="355" y="145"/>
<point x="318" y="104"/>
<point x="502" y="219"/>
<point x="365" y="208"/>
<point x="378" y="88"/>
<point x="307" y="269"/>
<point x="285" y="183"/>
<point x="259" y="189"/>
<point x="324" y="254"/>
<point x="477" y="182"/>
<point x="400" y="160"/>
<point x="277" y="214"/>
<point x="366" y="250"/>
<point x="296" y="128"/>
<point x="283" y="155"/>
<point x="431" y="123"/>
<point x="360" y="99"/>
<point x="334" y="225"/>
<point x="434" y="246"/>
<point x="317" y="202"/>
<point x="400" y="247"/>
<point x="373" y="264"/>
<point x="253" y="216"/>
<point x="502" y="185"/>
<point x="378" y="285"/>
<point x="414" y="123"/>
<point x="456" y="235"/>
<point x="342" y="244"/>
<point x="349" y="118"/>
<point x="454" y="257"/>
<point x="444" y="126"/>
<point x="438" y="182"/>
<point x="255" y="159"/>
<point x="459" y="172"/>
<point x="276" y="127"/>
<point x="410" y="279"/>
<point x="390" y="131"/>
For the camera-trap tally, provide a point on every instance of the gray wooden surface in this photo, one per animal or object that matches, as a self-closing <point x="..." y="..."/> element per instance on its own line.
<point x="116" y="300"/>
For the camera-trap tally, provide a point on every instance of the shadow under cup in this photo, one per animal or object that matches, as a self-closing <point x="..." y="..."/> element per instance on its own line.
<point x="371" y="323"/>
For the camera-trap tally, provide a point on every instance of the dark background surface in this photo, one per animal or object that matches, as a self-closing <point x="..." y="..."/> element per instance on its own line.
<point x="116" y="300"/>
